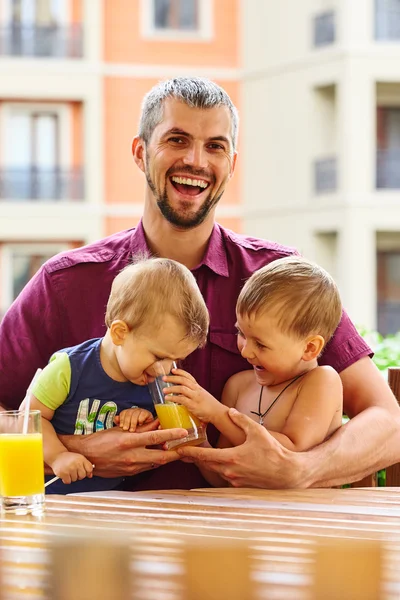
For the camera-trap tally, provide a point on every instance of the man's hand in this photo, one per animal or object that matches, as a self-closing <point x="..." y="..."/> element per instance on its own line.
<point x="188" y="392"/>
<point x="118" y="453"/>
<point x="259" y="462"/>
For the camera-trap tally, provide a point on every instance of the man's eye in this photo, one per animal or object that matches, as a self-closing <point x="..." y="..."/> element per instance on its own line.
<point x="176" y="140"/>
<point x="216" y="147"/>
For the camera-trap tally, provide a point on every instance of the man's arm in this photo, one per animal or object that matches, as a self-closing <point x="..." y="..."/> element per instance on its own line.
<point x="370" y="440"/>
<point x="120" y="453"/>
<point x="367" y="443"/>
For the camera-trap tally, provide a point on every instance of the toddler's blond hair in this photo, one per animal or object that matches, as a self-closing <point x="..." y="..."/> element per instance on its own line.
<point x="145" y="292"/>
<point x="301" y="294"/>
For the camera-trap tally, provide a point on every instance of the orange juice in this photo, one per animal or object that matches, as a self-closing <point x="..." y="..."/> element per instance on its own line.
<point x="173" y="415"/>
<point x="21" y="464"/>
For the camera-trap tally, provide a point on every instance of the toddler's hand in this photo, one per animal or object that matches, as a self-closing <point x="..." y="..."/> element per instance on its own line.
<point x="188" y="392"/>
<point x="132" y="418"/>
<point x="70" y="466"/>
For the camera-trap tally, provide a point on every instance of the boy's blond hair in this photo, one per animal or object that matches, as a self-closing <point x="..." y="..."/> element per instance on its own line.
<point x="302" y="295"/>
<point x="145" y="292"/>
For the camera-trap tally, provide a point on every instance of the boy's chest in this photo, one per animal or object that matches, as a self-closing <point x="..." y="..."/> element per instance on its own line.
<point x="274" y="418"/>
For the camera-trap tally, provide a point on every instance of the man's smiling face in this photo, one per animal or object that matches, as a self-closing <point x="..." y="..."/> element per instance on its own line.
<point x="189" y="160"/>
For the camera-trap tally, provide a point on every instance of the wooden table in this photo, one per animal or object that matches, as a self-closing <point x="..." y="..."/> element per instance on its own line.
<point x="282" y="527"/>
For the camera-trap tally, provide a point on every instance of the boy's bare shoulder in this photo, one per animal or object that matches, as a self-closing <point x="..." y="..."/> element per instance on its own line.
<point x="235" y="385"/>
<point x="243" y="378"/>
<point x="323" y="374"/>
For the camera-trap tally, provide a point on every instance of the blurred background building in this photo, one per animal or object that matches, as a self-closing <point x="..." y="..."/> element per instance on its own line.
<point x="321" y="142"/>
<point x="72" y="77"/>
<point x="317" y="84"/>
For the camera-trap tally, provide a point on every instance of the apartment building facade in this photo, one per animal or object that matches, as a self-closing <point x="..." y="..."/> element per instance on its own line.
<point x="321" y="146"/>
<point x="72" y="77"/>
<point x="317" y="83"/>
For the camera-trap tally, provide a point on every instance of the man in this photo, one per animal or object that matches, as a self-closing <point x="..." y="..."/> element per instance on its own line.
<point x="186" y="148"/>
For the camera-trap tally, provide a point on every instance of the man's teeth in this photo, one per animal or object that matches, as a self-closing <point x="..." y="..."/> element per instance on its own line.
<point x="187" y="181"/>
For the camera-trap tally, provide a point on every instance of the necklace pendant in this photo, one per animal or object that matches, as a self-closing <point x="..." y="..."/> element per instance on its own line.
<point x="261" y="420"/>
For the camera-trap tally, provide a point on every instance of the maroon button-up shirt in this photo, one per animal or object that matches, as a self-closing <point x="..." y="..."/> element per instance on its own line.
<point x="64" y="304"/>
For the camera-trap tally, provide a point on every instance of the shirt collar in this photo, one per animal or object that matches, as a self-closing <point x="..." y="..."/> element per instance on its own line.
<point x="214" y="257"/>
<point x="138" y="241"/>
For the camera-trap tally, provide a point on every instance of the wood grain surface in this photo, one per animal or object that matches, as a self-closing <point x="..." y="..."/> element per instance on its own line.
<point x="281" y="528"/>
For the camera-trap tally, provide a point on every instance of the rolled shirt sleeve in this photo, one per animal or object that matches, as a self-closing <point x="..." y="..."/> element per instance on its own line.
<point x="345" y="347"/>
<point x="29" y="334"/>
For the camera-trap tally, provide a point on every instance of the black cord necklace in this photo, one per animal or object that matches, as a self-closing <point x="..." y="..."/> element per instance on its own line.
<point x="261" y="415"/>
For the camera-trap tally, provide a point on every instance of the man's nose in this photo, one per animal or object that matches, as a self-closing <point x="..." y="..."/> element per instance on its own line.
<point x="196" y="156"/>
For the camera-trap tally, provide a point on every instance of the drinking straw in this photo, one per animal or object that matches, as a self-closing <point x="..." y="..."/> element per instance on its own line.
<point x="51" y="481"/>
<point x="27" y="402"/>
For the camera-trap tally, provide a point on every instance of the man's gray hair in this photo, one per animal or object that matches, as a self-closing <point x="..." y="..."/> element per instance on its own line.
<point x="196" y="92"/>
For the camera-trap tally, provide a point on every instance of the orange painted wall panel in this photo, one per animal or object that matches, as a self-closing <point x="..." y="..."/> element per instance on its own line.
<point x="124" y="42"/>
<point x="233" y="223"/>
<point x="77" y="134"/>
<point x="124" y="182"/>
<point x="76" y="11"/>
<point x="115" y="224"/>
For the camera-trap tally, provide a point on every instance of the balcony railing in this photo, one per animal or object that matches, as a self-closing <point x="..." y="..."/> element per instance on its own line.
<point x="41" y="184"/>
<point x="42" y="41"/>
<point x="324" y="29"/>
<point x="325" y="175"/>
<point x="388" y="169"/>
<point x="387" y="20"/>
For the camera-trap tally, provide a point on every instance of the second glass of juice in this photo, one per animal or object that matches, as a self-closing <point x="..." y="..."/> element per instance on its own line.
<point x="173" y="415"/>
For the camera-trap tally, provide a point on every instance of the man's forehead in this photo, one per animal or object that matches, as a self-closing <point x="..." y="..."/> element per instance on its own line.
<point x="210" y="121"/>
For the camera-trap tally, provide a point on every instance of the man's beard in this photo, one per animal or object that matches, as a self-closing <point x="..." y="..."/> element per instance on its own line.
<point x="189" y="219"/>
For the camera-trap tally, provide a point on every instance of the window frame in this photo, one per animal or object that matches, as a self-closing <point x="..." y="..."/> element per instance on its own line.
<point x="9" y="250"/>
<point x="204" y="33"/>
<point x="63" y="111"/>
<point x="6" y="13"/>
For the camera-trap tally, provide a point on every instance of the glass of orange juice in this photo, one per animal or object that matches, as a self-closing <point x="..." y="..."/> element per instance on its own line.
<point x="171" y="414"/>
<point x="21" y="463"/>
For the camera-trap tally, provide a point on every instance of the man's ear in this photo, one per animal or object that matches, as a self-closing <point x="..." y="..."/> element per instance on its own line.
<point x="138" y="151"/>
<point x="119" y="331"/>
<point x="233" y="164"/>
<point x="313" y="349"/>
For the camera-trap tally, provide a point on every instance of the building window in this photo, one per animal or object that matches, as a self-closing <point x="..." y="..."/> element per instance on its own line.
<point x="176" y="14"/>
<point x="388" y="292"/>
<point x="177" y="19"/>
<point x="38" y="28"/>
<point x="325" y="175"/>
<point x="19" y="264"/>
<point x="388" y="148"/>
<point x="36" y="154"/>
<point x="387" y="20"/>
<point x="324" y="33"/>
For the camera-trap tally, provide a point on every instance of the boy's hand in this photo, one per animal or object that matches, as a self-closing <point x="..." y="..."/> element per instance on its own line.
<point x="70" y="467"/>
<point x="188" y="392"/>
<point x="132" y="418"/>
